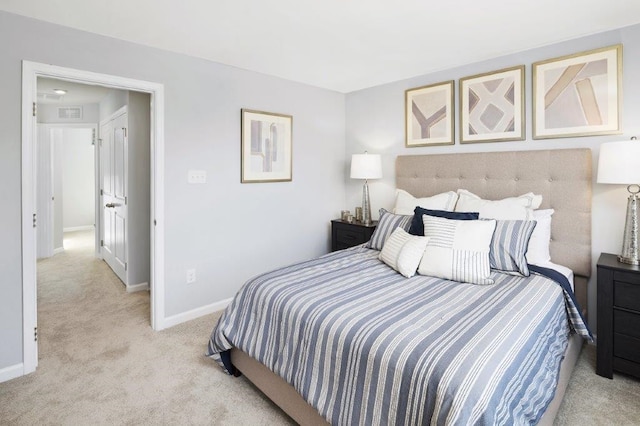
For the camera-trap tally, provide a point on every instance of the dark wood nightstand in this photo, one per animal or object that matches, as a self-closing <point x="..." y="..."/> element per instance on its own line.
<point x="618" y="317"/>
<point x="345" y="235"/>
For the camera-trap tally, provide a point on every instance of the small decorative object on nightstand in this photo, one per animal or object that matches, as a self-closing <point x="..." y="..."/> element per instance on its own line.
<point x="345" y="235"/>
<point x="618" y="317"/>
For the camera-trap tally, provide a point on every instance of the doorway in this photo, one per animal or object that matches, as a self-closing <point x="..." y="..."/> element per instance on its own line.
<point x="66" y="183"/>
<point x="31" y="71"/>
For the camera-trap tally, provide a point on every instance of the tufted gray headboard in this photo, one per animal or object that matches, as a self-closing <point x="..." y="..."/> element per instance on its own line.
<point x="562" y="177"/>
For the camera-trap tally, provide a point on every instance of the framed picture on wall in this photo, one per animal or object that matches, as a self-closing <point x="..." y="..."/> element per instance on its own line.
<point x="266" y="147"/>
<point x="578" y="95"/>
<point x="492" y="106"/>
<point x="429" y="115"/>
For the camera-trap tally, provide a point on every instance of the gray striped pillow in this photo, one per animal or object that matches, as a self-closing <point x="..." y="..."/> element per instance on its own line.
<point x="509" y="246"/>
<point x="386" y="225"/>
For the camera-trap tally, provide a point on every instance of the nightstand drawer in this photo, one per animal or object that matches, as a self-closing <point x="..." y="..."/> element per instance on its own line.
<point x="345" y="235"/>
<point x="626" y="277"/>
<point x="626" y="347"/>
<point x="626" y="323"/>
<point x="625" y="294"/>
<point x="349" y="236"/>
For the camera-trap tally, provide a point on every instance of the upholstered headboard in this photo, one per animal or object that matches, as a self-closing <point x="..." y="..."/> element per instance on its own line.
<point x="562" y="177"/>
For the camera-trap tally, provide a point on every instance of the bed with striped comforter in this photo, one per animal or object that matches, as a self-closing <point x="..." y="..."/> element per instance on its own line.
<point x="364" y="345"/>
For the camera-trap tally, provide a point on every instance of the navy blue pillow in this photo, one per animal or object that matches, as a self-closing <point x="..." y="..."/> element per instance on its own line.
<point x="417" y="225"/>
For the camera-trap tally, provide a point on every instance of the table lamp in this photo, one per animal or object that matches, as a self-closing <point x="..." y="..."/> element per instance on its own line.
<point x="619" y="163"/>
<point x="366" y="166"/>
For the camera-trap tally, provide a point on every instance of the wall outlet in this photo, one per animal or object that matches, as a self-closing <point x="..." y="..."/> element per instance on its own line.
<point x="197" y="176"/>
<point x="191" y="276"/>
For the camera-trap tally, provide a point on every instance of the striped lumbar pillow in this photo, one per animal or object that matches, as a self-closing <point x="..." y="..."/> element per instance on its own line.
<point x="386" y="225"/>
<point x="458" y="250"/>
<point x="509" y="246"/>
<point x="403" y="252"/>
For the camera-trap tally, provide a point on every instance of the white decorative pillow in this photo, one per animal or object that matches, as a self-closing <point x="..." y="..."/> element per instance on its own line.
<point x="458" y="250"/>
<point x="514" y="208"/>
<point x="403" y="251"/>
<point x="406" y="203"/>
<point x="538" y="251"/>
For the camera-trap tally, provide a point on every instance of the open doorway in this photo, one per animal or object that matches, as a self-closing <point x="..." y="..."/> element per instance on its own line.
<point x="147" y="93"/>
<point x="93" y="196"/>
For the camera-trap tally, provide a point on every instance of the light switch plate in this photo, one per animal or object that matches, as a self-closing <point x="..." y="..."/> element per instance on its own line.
<point x="197" y="176"/>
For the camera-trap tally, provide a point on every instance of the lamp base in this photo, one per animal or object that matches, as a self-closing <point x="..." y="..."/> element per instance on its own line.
<point x="366" y="205"/>
<point x="630" y="253"/>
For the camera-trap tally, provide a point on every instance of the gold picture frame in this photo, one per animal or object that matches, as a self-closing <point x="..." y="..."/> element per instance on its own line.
<point x="266" y="147"/>
<point x="582" y="94"/>
<point x="492" y="106"/>
<point x="429" y="115"/>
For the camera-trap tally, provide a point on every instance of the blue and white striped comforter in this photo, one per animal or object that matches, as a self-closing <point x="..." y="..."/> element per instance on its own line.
<point x="364" y="345"/>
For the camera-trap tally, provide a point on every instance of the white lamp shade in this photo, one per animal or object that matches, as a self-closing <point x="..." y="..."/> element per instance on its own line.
<point x="619" y="163"/>
<point x="366" y="166"/>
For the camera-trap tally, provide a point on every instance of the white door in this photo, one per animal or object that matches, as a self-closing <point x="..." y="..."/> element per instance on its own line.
<point x="113" y="167"/>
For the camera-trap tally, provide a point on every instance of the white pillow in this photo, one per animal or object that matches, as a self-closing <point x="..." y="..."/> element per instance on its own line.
<point x="458" y="250"/>
<point x="403" y="251"/>
<point x="406" y="203"/>
<point x="514" y="208"/>
<point x="538" y="251"/>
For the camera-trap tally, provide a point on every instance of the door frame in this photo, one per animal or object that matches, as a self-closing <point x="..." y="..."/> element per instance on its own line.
<point x="30" y="72"/>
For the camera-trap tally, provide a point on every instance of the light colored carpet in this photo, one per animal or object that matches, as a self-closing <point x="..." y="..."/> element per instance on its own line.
<point x="100" y="363"/>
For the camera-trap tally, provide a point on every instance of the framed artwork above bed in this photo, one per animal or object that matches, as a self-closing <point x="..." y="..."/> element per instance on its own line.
<point x="266" y="147"/>
<point x="492" y="106"/>
<point x="578" y="95"/>
<point x="429" y="115"/>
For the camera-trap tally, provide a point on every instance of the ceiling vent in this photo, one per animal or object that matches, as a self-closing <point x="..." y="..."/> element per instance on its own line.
<point x="70" y="113"/>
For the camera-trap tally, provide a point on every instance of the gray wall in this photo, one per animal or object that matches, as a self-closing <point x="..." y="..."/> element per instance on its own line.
<point x="226" y="230"/>
<point x="114" y="100"/>
<point x="78" y="178"/>
<point x="375" y="122"/>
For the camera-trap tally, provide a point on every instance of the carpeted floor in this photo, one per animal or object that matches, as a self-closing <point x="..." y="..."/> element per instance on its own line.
<point x="100" y="363"/>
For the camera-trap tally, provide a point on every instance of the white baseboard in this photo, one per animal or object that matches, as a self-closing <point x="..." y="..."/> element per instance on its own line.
<point x="11" y="372"/>
<point x="78" y="228"/>
<point x="58" y="250"/>
<point x="137" y="287"/>
<point x="196" y="313"/>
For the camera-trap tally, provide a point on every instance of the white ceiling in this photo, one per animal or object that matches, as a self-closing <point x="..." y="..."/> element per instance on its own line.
<point x="77" y="94"/>
<point x="344" y="45"/>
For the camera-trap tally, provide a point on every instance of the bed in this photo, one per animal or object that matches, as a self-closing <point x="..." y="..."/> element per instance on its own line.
<point x="562" y="177"/>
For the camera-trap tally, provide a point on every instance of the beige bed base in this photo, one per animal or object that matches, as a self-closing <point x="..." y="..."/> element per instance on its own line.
<point x="562" y="177"/>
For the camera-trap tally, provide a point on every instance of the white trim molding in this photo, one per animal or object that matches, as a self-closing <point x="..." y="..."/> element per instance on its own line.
<point x="196" y="313"/>
<point x="11" y="372"/>
<point x="78" y="228"/>
<point x="30" y="73"/>
<point x="133" y="288"/>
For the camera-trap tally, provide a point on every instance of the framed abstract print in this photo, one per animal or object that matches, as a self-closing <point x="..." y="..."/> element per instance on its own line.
<point x="429" y="115"/>
<point x="266" y="147"/>
<point x="578" y="95"/>
<point x="492" y="106"/>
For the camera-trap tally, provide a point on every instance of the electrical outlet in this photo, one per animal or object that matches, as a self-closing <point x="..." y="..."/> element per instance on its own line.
<point x="191" y="276"/>
<point x="197" y="176"/>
